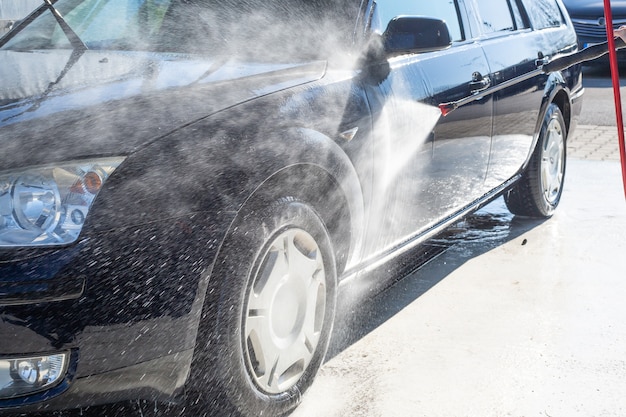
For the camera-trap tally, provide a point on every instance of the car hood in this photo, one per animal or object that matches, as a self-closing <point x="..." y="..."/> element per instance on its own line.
<point x="593" y="8"/>
<point x="60" y="105"/>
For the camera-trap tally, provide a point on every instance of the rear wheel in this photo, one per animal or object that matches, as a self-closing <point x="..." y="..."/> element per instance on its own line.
<point x="539" y="191"/>
<point x="276" y="304"/>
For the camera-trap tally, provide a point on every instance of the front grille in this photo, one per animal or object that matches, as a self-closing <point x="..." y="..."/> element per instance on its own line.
<point x="591" y="30"/>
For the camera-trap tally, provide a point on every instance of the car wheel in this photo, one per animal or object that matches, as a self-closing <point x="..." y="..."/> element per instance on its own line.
<point x="276" y="305"/>
<point x="538" y="192"/>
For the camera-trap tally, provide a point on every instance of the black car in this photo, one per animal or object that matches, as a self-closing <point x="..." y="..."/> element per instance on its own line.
<point x="590" y="23"/>
<point x="184" y="184"/>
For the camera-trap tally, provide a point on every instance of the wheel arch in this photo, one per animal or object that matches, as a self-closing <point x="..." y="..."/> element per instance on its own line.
<point x="316" y="170"/>
<point x="326" y="197"/>
<point x="538" y="191"/>
<point x="557" y="92"/>
<point x="562" y="100"/>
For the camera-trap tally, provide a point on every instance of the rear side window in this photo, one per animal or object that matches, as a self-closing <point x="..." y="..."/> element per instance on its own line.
<point x="544" y="14"/>
<point x="496" y="16"/>
<point x="446" y="10"/>
<point x="502" y="15"/>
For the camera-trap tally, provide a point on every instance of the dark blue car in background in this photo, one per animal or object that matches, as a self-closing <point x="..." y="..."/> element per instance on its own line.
<point x="590" y="23"/>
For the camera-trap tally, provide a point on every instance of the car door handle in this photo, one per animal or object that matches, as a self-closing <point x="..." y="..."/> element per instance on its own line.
<point x="479" y="82"/>
<point x="541" y="60"/>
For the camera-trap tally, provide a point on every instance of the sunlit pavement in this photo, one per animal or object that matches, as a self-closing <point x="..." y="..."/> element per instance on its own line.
<point x="520" y="318"/>
<point x="593" y="142"/>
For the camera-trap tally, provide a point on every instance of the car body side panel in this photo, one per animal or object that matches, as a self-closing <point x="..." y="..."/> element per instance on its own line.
<point x="462" y="137"/>
<point x="516" y="107"/>
<point x="403" y="123"/>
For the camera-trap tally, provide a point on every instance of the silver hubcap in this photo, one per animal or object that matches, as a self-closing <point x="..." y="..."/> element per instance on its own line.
<point x="552" y="162"/>
<point x="284" y="314"/>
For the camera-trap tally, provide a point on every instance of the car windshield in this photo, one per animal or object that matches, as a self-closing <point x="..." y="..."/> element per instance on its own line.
<point x="249" y="27"/>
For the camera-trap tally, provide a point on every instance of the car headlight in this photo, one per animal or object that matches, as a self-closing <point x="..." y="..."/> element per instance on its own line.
<point x="45" y="206"/>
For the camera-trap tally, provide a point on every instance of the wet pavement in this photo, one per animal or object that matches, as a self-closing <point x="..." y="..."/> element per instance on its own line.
<point x="517" y="317"/>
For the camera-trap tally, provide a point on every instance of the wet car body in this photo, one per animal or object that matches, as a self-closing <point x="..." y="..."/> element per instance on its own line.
<point x="203" y="143"/>
<point x="590" y="23"/>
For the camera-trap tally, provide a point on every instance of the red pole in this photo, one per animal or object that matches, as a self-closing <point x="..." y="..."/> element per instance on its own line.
<point x="608" y="16"/>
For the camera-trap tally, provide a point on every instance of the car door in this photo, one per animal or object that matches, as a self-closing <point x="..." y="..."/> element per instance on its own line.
<point x="515" y="49"/>
<point x="404" y="92"/>
<point x="462" y="137"/>
<point x="403" y="120"/>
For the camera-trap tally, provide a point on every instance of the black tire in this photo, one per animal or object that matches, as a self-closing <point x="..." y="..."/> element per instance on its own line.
<point x="538" y="192"/>
<point x="276" y="284"/>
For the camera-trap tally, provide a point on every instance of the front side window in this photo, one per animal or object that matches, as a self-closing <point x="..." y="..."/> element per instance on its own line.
<point x="445" y="10"/>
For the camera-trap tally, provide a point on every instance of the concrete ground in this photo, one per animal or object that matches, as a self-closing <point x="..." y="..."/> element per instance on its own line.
<point x="593" y="142"/>
<point x="517" y="318"/>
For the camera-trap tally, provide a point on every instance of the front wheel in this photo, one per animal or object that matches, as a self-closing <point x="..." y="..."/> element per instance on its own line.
<point x="538" y="192"/>
<point x="276" y="305"/>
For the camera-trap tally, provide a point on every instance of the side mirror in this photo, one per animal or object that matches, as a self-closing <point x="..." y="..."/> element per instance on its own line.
<point x="412" y="34"/>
